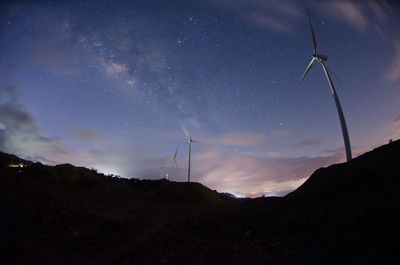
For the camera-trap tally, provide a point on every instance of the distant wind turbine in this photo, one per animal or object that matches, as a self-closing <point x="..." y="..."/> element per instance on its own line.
<point x="174" y="163"/>
<point x="190" y="141"/>
<point x="321" y="59"/>
<point x="162" y="172"/>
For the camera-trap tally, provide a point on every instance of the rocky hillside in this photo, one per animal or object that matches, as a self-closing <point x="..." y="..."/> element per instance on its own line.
<point x="344" y="214"/>
<point x="372" y="172"/>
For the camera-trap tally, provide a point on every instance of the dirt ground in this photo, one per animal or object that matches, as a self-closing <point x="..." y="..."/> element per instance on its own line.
<point x="46" y="219"/>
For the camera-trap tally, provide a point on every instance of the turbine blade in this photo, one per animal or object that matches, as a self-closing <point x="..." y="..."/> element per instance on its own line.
<point x="186" y="132"/>
<point x="307" y="69"/>
<point x="195" y="141"/>
<point x="176" y="152"/>
<point x="340" y="81"/>
<point x="313" y="33"/>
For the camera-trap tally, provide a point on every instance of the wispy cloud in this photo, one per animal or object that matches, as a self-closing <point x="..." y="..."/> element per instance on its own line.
<point x="394" y="132"/>
<point x="283" y="16"/>
<point x="394" y="72"/>
<point x="378" y="8"/>
<point x="88" y="135"/>
<point x="239" y="138"/>
<point x="305" y="143"/>
<point x="127" y="160"/>
<point x="348" y="12"/>
<point x="362" y="16"/>
<point x="279" y="16"/>
<point x="208" y="154"/>
<point x="242" y="175"/>
<point x="234" y="138"/>
<point x="258" y="175"/>
<point x="397" y="121"/>
<point x="20" y="134"/>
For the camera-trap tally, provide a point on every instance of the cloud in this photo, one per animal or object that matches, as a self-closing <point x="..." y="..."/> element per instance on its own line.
<point x="365" y="16"/>
<point x="267" y="22"/>
<point x="394" y="132"/>
<point x="241" y="175"/>
<point x="20" y="134"/>
<point x="258" y="175"/>
<point x="348" y="12"/>
<point x="378" y="8"/>
<point x="208" y="153"/>
<point x="393" y="73"/>
<point x="237" y="138"/>
<point x="9" y="91"/>
<point x="397" y="121"/>
<point x="279" y="16"/>
<point x="362" y="16"/>
<point x="305" y="143"/>
<point x="87" y="135"/>
<point x="284" y="16"/>
<point x="127" y="160"/>
<point x="10" y="69"/>
<point x="160" y="134"/>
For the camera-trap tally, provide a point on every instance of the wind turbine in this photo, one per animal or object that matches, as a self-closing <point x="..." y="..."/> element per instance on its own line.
<point x="322" y="59"/>
<point x="190" y="141"/>
<point x="173" y="158"/>
<point x="162" y="172"/>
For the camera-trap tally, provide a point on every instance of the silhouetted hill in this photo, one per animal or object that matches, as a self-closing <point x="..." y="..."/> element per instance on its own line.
<point x="166" y="191"/>
<point x="150" y="190"/>
<point x="357" y="208"/>
<point x="343" y="214"/>
<point x="7" y="159"/>
<point x="374" y="171"/>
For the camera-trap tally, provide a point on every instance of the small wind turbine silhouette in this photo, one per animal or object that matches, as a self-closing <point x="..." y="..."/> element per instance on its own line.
<point x="321" y="59"/>
<point x="190" y="141"/>
<point x="162" y="172"/>
<point x="174" y="163"/>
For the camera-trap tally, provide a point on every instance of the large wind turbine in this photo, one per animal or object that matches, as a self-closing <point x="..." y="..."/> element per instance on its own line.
<point x="321" y="59"/>
<point x="173" y="158"/>
<point x="190" y="141"/>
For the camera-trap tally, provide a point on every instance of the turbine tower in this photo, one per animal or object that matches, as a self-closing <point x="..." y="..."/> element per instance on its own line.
<point x="322" y="59"/>
<point x="190" y="141"/>
<point x="162" y="172"/>
<point x="174" y="164"/>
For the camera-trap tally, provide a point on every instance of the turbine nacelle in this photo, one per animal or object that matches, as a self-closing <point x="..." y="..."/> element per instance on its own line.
<point x="190" y="140"/>
<point x="321" y="57"/>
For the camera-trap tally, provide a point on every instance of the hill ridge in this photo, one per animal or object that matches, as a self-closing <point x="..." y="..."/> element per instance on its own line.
<point x="371" y="168"/>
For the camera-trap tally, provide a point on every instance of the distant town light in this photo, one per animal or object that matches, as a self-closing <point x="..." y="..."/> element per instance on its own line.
<point x="16" y="165"/>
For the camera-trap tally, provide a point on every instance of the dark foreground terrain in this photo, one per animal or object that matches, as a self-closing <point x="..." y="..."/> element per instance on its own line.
<point x="344" y="214"/>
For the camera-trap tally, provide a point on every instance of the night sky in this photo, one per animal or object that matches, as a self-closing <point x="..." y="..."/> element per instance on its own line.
<point x="110" y="84"/>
